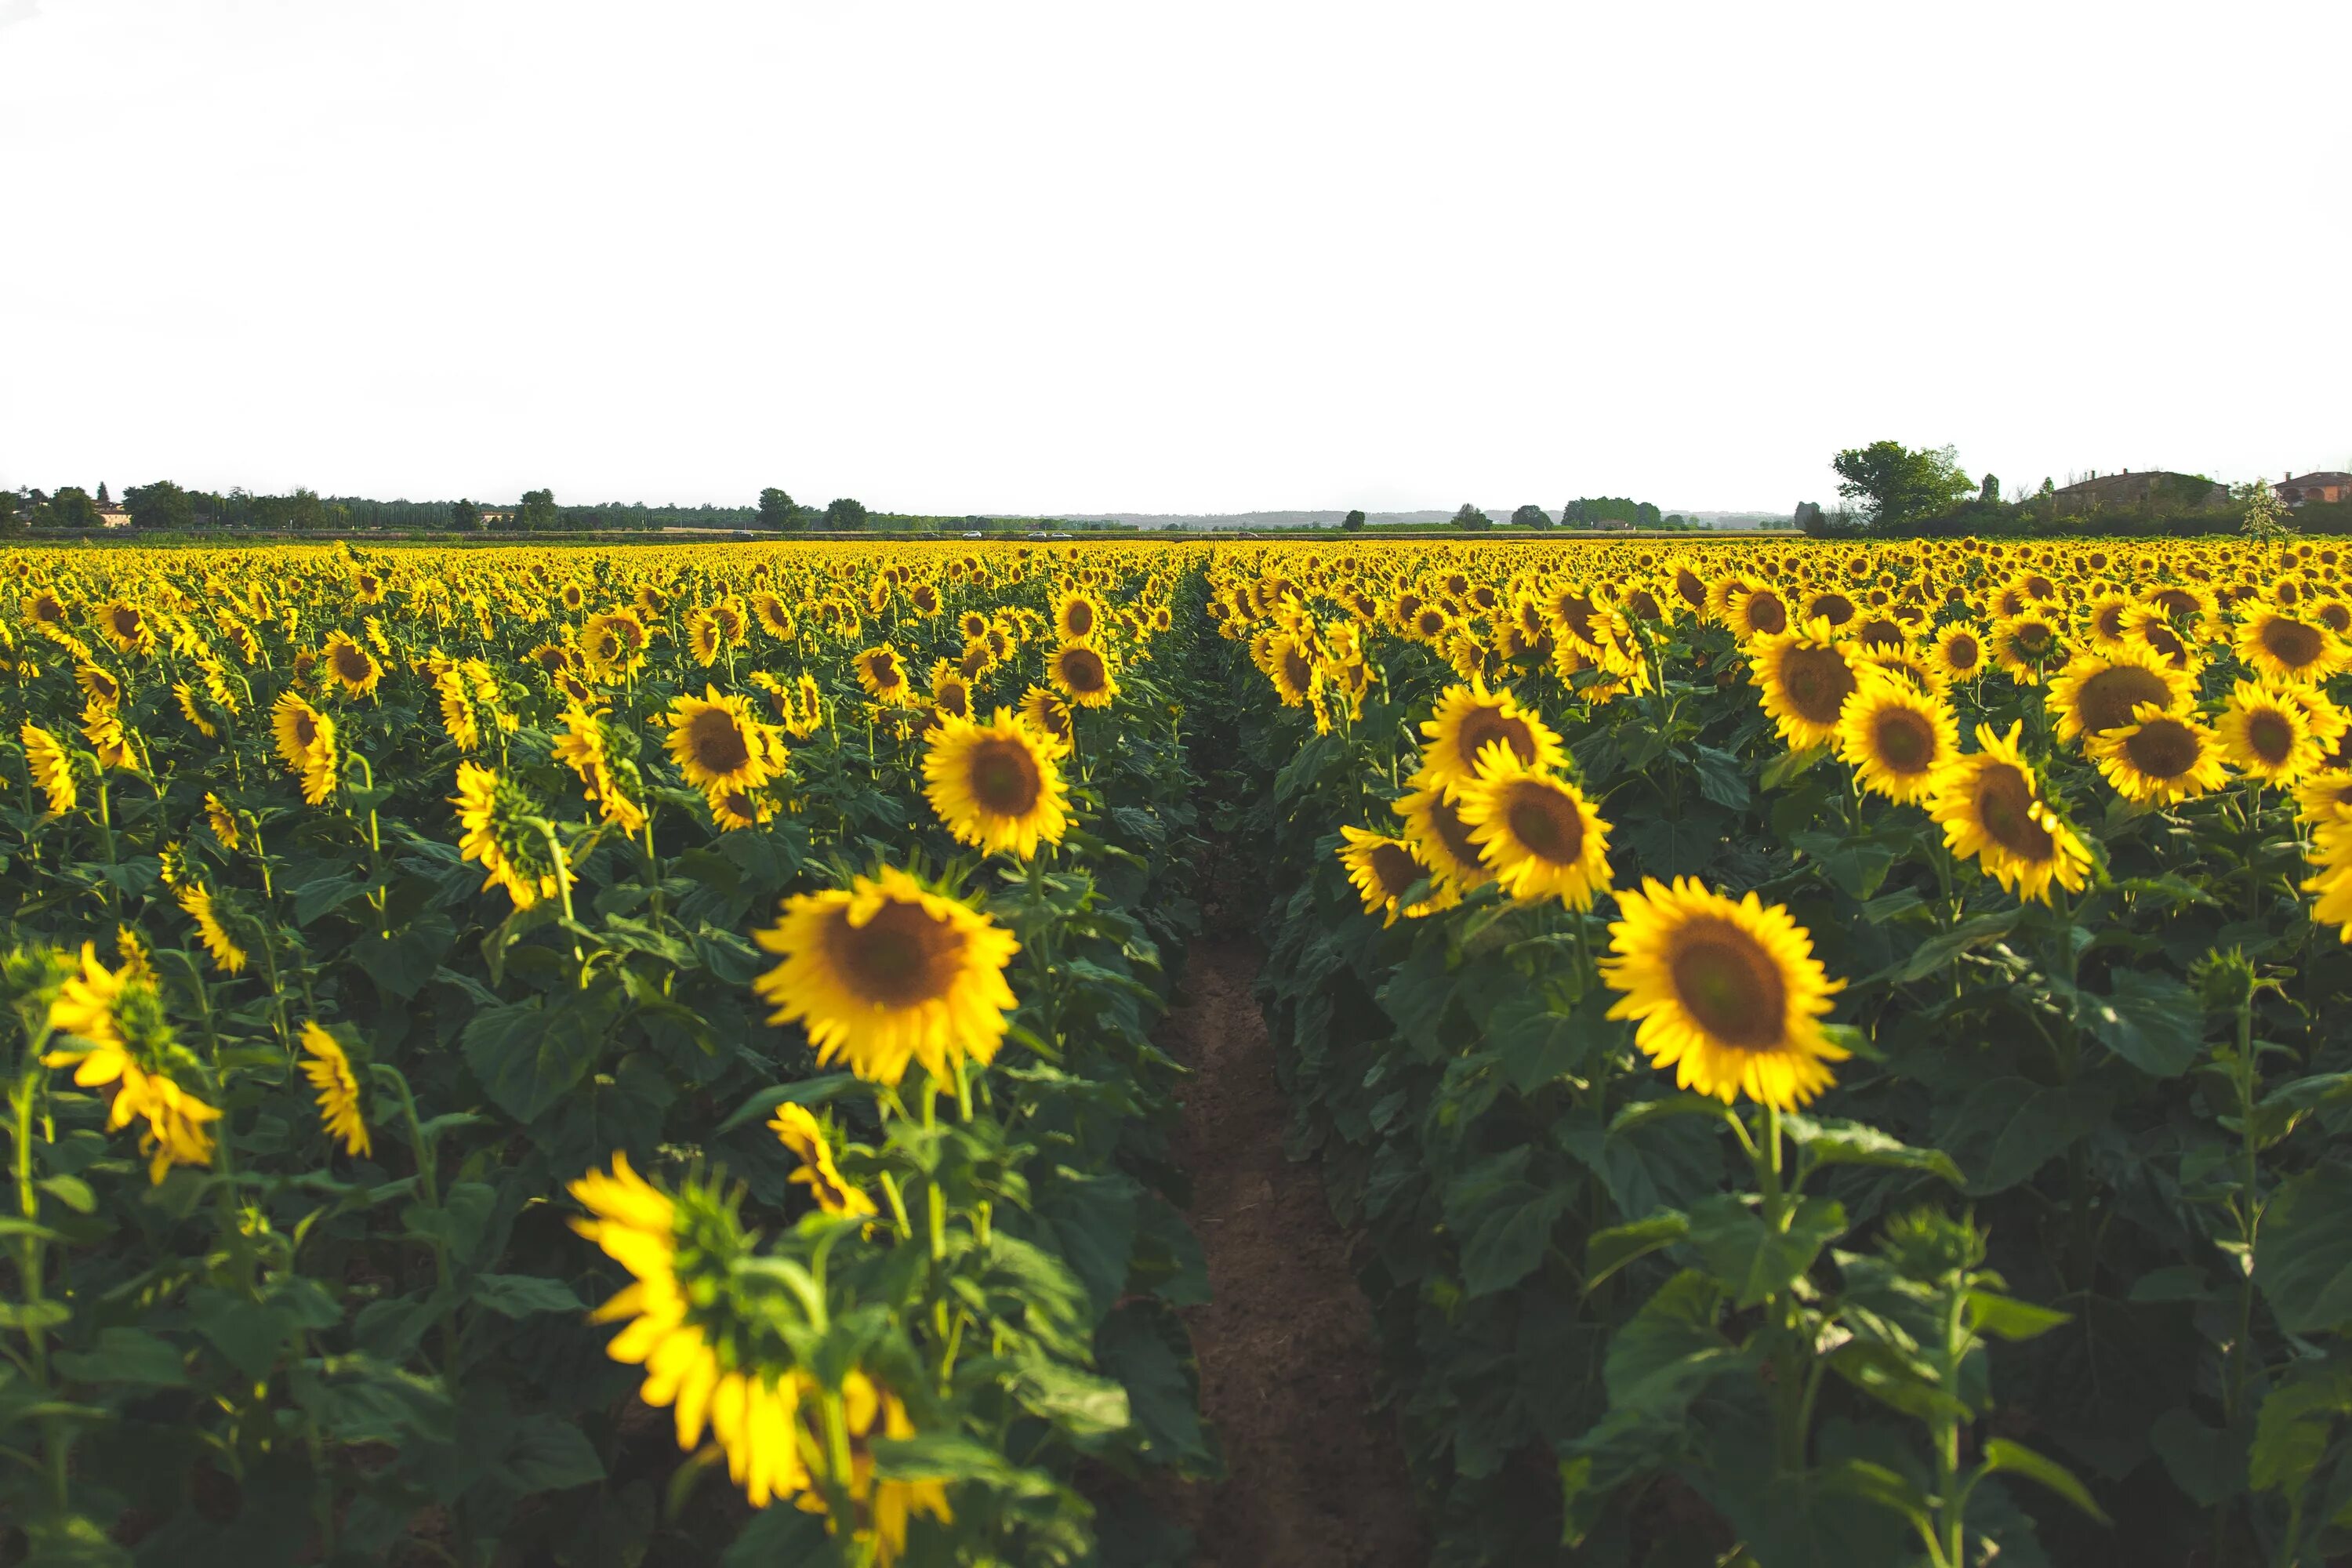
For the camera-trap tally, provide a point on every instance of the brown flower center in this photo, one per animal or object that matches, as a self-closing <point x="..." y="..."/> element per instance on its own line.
<point x="1818" y="682"/>
<point x="1730" y="984"/>
<point x="1904" y="741"/>
<point x="1836" y="608"/>
<point x="350" y="663"/>
<point x="2106" y="700"/>
<point x="1078" y="619"/>
<point x="1394" y="870"/>
<point x="717" y="741"/>
<point x="2163" y="748"/>
<point x="2292" y="643"/>
<point x="1765" y="612"/>
<point x="1483" y="726"/>
<point x="1082" y="670"/>
<point x="2270" y="736"/>
<point x="898" y="959"/>
<point x="1005" y="777"/>
<point x="1453" y="832"/>
<point x="1547" y="823"/>
<point x="2005" y="807"/>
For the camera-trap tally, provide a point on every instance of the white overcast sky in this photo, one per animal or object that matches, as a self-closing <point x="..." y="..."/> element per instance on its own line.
<point x="1195" y="257"/>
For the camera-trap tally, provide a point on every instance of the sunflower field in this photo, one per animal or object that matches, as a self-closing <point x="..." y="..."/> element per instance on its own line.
<point x="604" y="1056"/>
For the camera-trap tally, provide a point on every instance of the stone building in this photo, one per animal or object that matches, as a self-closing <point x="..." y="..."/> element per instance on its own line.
<point x="2156" y="486"/>
<point x="2294" y="490"/>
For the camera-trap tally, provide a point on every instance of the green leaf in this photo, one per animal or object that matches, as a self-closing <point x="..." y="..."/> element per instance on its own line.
<point x="1671" y="1350"/>
<point x="2009" y="1128"/>
<point x="1936" y="954"/>
<point x="2205" y="1463"/>
<point x="1537" y="1043"/>
<point x="816" y="1090"/>
<point x="401" y="964"/>
<point x="1789" y="767"/>
<point x="1833" y="1142"/>
<point x="1075" y="1400"/>
<point x="2152" y="1021"/>
<point x="1890" y="1377"/>
<point x="71" y="1191"/>
<point x="1720" y="778"/>
<point x="522" y="1295"/>
<point x="1750" y="1258"/>
<point x="128" y="1355"/>
<point x="2291" y="1432"/>
<point x="1610" y="1250"/>
<point x="2015" y="1458"/>
<point x="528" y="1057"/>
<point x="2005" y="1317"/>
<point x="1510" y="1244"/>
<point x="1684" y="1103"/>
<point x="1866" y="1482"/>
<point x="550" y="1454"/>
<point x="2304" y="1266"/>
<point x="2176" y="1282"/>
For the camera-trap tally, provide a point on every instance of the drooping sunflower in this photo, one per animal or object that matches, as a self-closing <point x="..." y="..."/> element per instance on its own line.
<point x="1806" y="676"/>
<point x="883" y="673"/>
<point x="202" y="908"/>
<point x="735" y="809"/>
<point x="2265" y="733"/>
<point x="1046" y="712"/>
<point x="223" y="822"/>
<point x="97" y="685"/>
<point x="495" y="813"/>
<point x="306" y="744"/>
<point x="997" y="786"/>
<point x="128" y="1042"/>
<point x="1083" y="673"/>
<point x="2160" y="758"/>
<point x="887" y="973"/>
<point x="1468" y="719"/>
<point x="1538" y="833"/>
<point x="1991" y="809"/>
<point x="2284" y="648"/>
<point x="51" y="767"/>
<point x="351" y="667"/>
<point x="718" y="743"/>
<point x="1729" y="995"/>
<point x="1290" y="663"/>
<point x="1384" y="871"/>
<point x="1440" y="838"/>
<point x="2099" y="688"/>
<point x="330" y="1072"/>
<point x="1896" y="737"/>
<point x="798" y="1129"/>
<point x="587" y="750"/>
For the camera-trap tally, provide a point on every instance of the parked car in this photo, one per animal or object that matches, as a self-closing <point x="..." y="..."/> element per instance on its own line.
<point x="971" y="533"/>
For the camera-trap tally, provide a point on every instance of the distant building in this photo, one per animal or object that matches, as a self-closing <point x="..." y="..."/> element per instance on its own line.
<point x="111" y="515"/>
<point x="2296" y="488"/>
<point x="2157" y="485"/>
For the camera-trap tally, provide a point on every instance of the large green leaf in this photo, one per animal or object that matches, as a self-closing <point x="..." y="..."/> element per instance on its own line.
<point x="2009" y="1128"/>
<point x="2303" y="1265"/>
<point x="2152" y="1021"/>
<point x="528" y="1057"/>
<point x="1749" y="1257"/>
<point x="1511" y="1241"/>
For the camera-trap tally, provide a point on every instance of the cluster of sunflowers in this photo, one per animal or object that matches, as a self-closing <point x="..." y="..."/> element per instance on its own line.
<point x="446" y="840"/>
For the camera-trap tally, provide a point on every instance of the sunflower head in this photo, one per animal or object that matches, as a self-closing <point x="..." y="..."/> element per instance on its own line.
<point x="1896" y="737"/>
<point x="1805" y="675"/>
<point x="718" y="743"/>
<point x="1467" y="719"/>
<point x="2266" y="732"/>
<point x="499" y="828"/>
<point x="1082" y="672"/>
<point x="2101" y="687"/>
<point x="1440" y="839"/>
<point x="1384" y="871"/>
<point x="1538" y="833"/>
<point x="887" y="973"/>
<point x="1727" y="993"/>
<point x="338" y="1087"/>
<point x="1993" y="811"/>
<point x="2282" y="647"/>
<point x="352" y="667"/>
<point x="997" y="786"/>
<point x="2160" y="758"/>
<point x="883" y="673"/>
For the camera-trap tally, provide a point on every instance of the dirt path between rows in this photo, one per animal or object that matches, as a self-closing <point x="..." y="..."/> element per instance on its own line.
<point x="1315" y="1478"/>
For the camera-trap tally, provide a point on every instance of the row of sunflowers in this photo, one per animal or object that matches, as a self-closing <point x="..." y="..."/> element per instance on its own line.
<point x="1828" y="1049"/>
<point x="601" y="1057"/>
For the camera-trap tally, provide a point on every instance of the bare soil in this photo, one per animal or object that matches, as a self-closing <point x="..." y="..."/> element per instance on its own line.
<point x="1314" y="1477"/>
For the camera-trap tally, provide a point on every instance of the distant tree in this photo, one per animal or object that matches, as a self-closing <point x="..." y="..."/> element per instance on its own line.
<point x="1809" y="517"/>
<point x="1573" y="515"/>
<point x="1674" y="520"/>
<point x="1531" y="516"/>
<point x="160" y="505"/>
<point x="101" y="494"/>
<point x="1470" y="517"/>
<point x="69" y="508"/>
<point x="846" y="516"/>
<point x="12" y="515"/>
<point x="775" y="509"/>
<point x="1895" y="485"/>
<point x="1353" y="522"/>
<point x="537" y="511"/>
<point x="1990" y="491"/>
<point x="466" y="516"/>
<point x="303" y="510"/>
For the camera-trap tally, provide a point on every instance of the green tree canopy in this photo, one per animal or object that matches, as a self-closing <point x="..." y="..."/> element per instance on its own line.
<point x="465" y="517"/>
<point x="775" y="509"/>
<point x="1470" y="517"/>
<point x="537" y="511"/>
<point x="1895" y="485"/>
<point x="69" y="508"/>
<point x="845" y="515"/>
<point x="160" y="505"/>
<point x="1353" y="522"/>
<point x="1531" y="516"/>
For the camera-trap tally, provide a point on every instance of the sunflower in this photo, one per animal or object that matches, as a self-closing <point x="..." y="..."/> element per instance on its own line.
<point x="1083" y="674"/>
<point x="1758" y="611"/>
<point x="1960" y="651"/>
<point x="612" y="644"/>
<point x="1539" y="835"/>
<point x="703" y="637"/>
<point x="351" y="667"/>
<point x="883" y="674"/>
<point x="2026" y="645"/>
<point x="719" y="744"/>
<point x="1806" y="678"/>
<point x="127" y="626"/>
<point x="1993" y="811"/>
<point x="950" y="692"/>
<point x="2160" y="758"/>
<point x="735" y="809"/>
<point x="51" y="767"/>
<point x="185" y="695"/>
<point x="886" y="973"/>
<point x="1467" y="719"/>
<point x="495" y="813"/>
<point x="223" y="822"/>
<point x="97" y="685"/>
<point x="587" y="750"/>
<point x="202" y="908"/>
<point x="1896" y="737"/>
<point x="2099" y="688"/>
<point x="773" y="618"/>
<point x="1384" y="870"/>
<point x="1297" y="678"/>
<point x="330" y="1072"/>
<point x="1077" y="617"/>
<point x="128" y="1042"/>
<point x="103" y="728"/>
<point x="1729" y="995"/>
<point x="1046" y="712"/>
<point x="2283" y="648"/>
<point x="797" y="1129"/>
<point x="300" y="729"/>
<point x="1440" y="839"/>
<point x="2265" y="733"/>
<point x="996" y="785"/>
